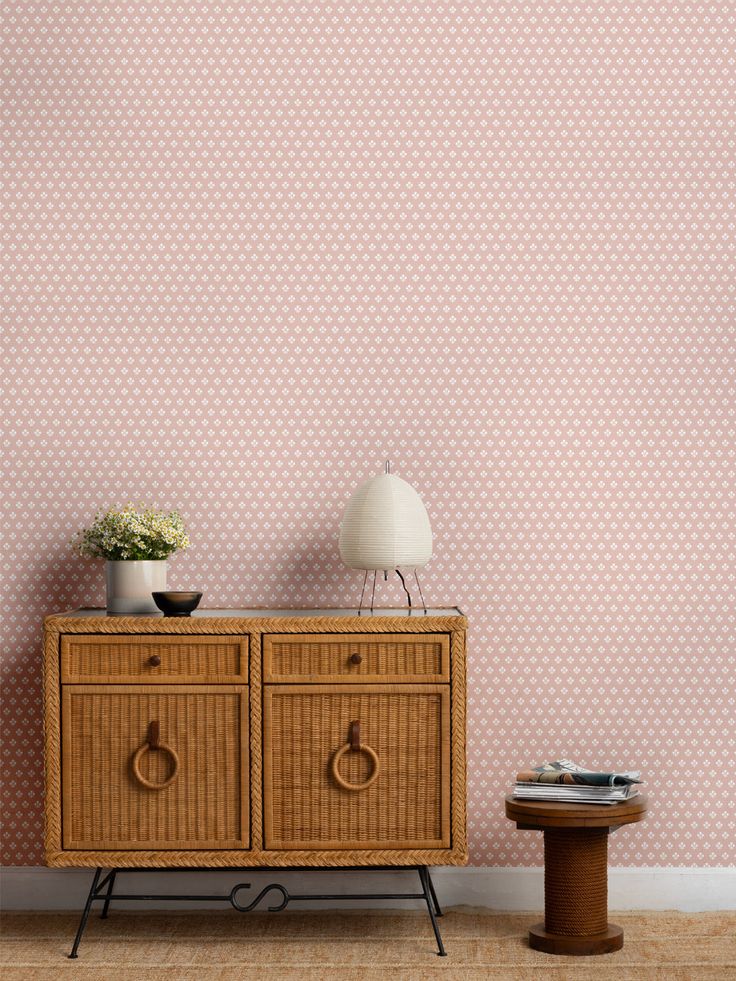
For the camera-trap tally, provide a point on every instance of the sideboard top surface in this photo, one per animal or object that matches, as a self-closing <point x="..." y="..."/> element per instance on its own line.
<point x="417" y="613"/>
<point x="400" y="619"/>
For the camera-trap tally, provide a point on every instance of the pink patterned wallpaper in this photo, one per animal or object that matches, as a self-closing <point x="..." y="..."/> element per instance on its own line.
<point x="254" y="249"/>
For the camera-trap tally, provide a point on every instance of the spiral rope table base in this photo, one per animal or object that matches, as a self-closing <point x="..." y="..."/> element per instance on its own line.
<point x="575" y="871"/>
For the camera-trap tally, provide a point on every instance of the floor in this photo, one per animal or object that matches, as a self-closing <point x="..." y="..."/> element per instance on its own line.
<point x="355" y="945"/>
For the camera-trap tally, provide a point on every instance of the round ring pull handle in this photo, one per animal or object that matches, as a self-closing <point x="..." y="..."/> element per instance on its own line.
<point x="154" y="743"/>
<point x="355" y="746"/>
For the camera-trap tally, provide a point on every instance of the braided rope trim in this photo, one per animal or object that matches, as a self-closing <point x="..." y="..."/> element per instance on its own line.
<point x="256" y="744"/>
<point x="102" y="624"/>
<point x="458" y="689"/>
<point x="52" y="738"/>
<point x="246" y="858"/>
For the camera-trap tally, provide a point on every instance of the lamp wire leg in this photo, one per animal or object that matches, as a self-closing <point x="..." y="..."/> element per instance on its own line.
<point x="403" y="583"/>
<point x="421" y="597"/>
<point x="362" y="592"/>
<point x="373" y="593"/>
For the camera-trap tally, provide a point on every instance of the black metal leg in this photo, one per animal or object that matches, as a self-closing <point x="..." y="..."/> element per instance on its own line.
<point x="433" y="894"/>
<point x="85" y="914"/>
<point x="427" y="890"/>
<point x="108" y="896"/>
<point x="102" y="890"/>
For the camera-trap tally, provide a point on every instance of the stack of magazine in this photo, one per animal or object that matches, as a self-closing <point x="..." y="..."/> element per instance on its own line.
<point x="566" y="781"/>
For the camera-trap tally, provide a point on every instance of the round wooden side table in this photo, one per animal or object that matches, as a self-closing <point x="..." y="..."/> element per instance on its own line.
<point x="575" y="871"/>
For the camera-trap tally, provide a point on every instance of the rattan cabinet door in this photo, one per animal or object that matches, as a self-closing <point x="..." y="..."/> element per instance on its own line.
<point x="189" y="792"/>
<point x="314" y="800"/>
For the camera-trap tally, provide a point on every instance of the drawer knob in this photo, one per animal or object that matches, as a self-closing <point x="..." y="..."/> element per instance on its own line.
<point x="356" y="746"/>
<point x="154" y="660"/>
<point x="154" y="743"/>
<point x="355" y="659"/>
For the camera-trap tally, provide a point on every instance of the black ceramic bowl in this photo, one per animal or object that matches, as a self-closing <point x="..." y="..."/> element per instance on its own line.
<point x="174" y="603"/>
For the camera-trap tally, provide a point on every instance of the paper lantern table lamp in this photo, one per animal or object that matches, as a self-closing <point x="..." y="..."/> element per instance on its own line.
<point x="385" y="528"/>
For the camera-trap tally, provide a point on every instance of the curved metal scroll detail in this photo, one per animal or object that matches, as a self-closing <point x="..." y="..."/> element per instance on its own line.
<point x="271" y="909"/>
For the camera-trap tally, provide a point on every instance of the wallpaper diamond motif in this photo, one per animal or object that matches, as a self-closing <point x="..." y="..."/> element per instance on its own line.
<point x="251" y="250"/>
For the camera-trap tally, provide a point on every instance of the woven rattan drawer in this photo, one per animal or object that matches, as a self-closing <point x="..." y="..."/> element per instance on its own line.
<point x="349" y="658"/>
<point x="105" y="805"/>
<point x="154" y="659"/>
<point x="309" y="805"/>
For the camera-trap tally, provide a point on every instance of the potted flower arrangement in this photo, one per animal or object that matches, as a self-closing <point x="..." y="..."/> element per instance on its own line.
<point x="136" y="545"/>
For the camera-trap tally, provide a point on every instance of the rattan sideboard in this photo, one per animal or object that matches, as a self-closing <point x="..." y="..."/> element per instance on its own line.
<point x="268" y="738"/>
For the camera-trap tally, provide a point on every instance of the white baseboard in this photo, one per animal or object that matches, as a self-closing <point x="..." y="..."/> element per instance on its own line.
<point x="686" y="889"/>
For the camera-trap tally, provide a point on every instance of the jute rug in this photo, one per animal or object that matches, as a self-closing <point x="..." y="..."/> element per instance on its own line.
<point x="355" y="945"/>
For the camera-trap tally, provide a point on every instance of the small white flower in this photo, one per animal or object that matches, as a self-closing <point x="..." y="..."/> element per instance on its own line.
<point x="128" y="533"/>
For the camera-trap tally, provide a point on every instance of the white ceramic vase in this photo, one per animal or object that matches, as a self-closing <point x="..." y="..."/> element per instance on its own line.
<point x="130" y="584"/>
